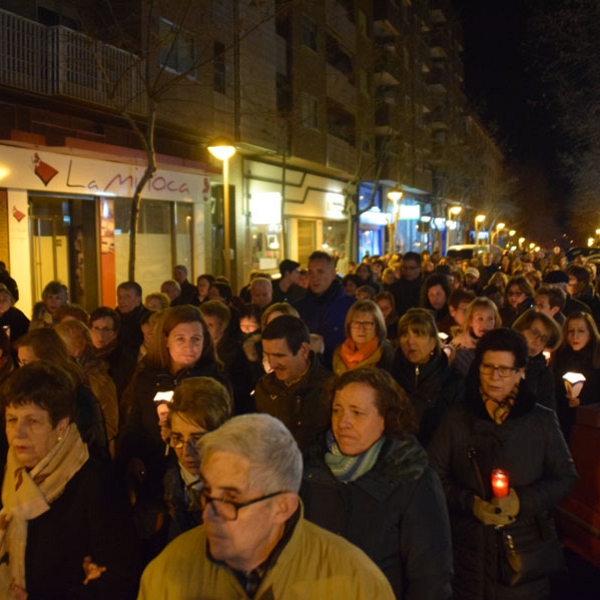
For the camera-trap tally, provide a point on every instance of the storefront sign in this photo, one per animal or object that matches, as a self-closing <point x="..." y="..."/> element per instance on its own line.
<point x="37" y="170"/>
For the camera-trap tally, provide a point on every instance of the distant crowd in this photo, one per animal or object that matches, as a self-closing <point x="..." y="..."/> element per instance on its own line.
<point x="212" y="440"/>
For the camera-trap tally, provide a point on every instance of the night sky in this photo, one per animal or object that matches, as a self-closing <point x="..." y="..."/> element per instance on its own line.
<point x="501" y="80"/>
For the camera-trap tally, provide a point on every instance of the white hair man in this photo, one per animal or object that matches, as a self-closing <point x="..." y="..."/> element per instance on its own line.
<point x="254" y="542"/>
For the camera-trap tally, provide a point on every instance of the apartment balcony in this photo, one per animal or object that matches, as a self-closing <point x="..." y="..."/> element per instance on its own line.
<point x="386" y="73"/>
<point x="386" y="119"/>
<point x="338" y="22"/>
<point x="340" y="154"/>
<point x="340" y="89"/>
<point x="438" y="44"/>
<point x="437" y="118"/>
<point x="438" y="80"/>
<point x="57" y="61"/>
<point x="388" y="13"/>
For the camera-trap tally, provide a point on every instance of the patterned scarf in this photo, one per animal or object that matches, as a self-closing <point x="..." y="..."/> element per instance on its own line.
<point x="349" y="468"/>
<point x="28" y="494"/>
<point x="499" y="410"/>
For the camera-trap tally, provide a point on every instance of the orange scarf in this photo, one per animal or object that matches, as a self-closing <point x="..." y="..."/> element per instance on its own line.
<point x="353" y="356"/>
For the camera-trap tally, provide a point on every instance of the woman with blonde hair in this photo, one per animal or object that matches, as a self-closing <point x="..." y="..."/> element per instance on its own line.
<point x="482" y="316"/>
<point x="366" y="343"/>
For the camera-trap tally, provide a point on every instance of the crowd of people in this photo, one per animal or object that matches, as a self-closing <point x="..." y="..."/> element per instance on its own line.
<point x="319" y="434"/>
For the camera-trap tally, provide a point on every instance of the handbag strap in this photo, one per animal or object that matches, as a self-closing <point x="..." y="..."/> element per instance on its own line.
<point x="472" y="456"/>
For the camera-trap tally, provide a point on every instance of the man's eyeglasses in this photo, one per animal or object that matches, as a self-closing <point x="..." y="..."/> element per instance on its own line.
<point x="226" y="509"/>
<point x="488" y="369"/>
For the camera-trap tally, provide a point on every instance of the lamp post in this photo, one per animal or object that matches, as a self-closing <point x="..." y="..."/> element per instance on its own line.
<point x="222" y="150"/>
<point x="499" y="228"/>
<point x="453" y="212"/>
<point x="521" y="242"/>
<point x="394" y="196"/>
<point x="479" y="219"/>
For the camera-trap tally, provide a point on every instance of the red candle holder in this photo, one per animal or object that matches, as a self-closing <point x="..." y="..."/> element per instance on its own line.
<point x="500" y="484"/>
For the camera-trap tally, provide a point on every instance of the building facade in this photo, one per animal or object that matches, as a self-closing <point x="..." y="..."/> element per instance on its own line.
<point x="330" y="105"/>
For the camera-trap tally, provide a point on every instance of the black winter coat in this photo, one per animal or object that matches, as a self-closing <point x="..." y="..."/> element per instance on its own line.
<point x="88" y="518"/>
<point x="141" y="433"/>
<point x="540" y="380"/>
<point x="432" y="388"/>
<point x="530" y="446"/>
<point x="396" y="513"/>
<point x="582" y="361"/>
<point x="302" y="406"/>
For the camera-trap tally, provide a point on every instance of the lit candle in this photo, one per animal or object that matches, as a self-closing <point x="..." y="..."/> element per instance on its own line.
<point x="500" y="483"/>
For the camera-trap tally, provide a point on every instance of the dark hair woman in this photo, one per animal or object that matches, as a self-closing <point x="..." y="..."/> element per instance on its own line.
<point x="422" y="370"/>
<point x="579" y="353"/>
<point x="368" y="480"/>
<point x="46" y="345"/>
<point x="500" y="426"/>
<point x="64" y="533"/>
<point x="435" y="293"/>
<point x="181" y="348"/>
<point x="517" y="299"/>
<point x="542" y="333"/>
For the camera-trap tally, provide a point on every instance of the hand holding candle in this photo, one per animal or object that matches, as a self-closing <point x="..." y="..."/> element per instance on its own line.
<point x="573" y="384"/>
<point x="500" y="483"/>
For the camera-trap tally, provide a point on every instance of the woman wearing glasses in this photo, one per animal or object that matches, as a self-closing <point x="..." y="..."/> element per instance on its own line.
<point x="366" y="344"/>
<point x="500" y="426"/>
<point x="517" y="299"/>
<point x="200" y="405"/>
<point x="543" y="333"/>
<point x="579" y="353"/>
<point x="368" y="480"/>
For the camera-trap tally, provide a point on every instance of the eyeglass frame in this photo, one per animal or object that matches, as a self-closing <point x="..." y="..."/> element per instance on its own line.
<point x="368" y="325"/>
<point x="488" y="369"/>
<point x="544" y="338"/>
<point x="205" y="500"/>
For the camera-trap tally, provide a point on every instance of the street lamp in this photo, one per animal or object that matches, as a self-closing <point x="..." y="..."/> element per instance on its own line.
<point x="222" y="150"/>
<point x="453" y="212"/>
<point x="479" y="219"/>
<point x="394" y="195"/>
<point x="499" y="228"/>
<point x="521" y="242"/>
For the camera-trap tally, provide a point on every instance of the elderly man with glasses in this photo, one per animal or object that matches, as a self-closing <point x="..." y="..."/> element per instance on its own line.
<point x="254" y="542"/>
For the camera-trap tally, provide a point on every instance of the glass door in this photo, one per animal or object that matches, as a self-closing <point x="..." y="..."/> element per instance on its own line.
<point x="65" y="247"/>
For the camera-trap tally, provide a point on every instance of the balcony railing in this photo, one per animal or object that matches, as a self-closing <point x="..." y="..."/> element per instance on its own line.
<point x="58" y="61"/>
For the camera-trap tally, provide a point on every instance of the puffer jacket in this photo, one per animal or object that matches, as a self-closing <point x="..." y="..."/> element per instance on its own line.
<point x="530" y="446"/>
<point x="396" y="513"/>
<point x="432" y="388"/>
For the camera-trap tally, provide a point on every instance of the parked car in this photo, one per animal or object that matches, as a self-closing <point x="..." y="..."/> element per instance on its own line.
<point x="590" y="253"/>
<point x="469" y="251"/>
